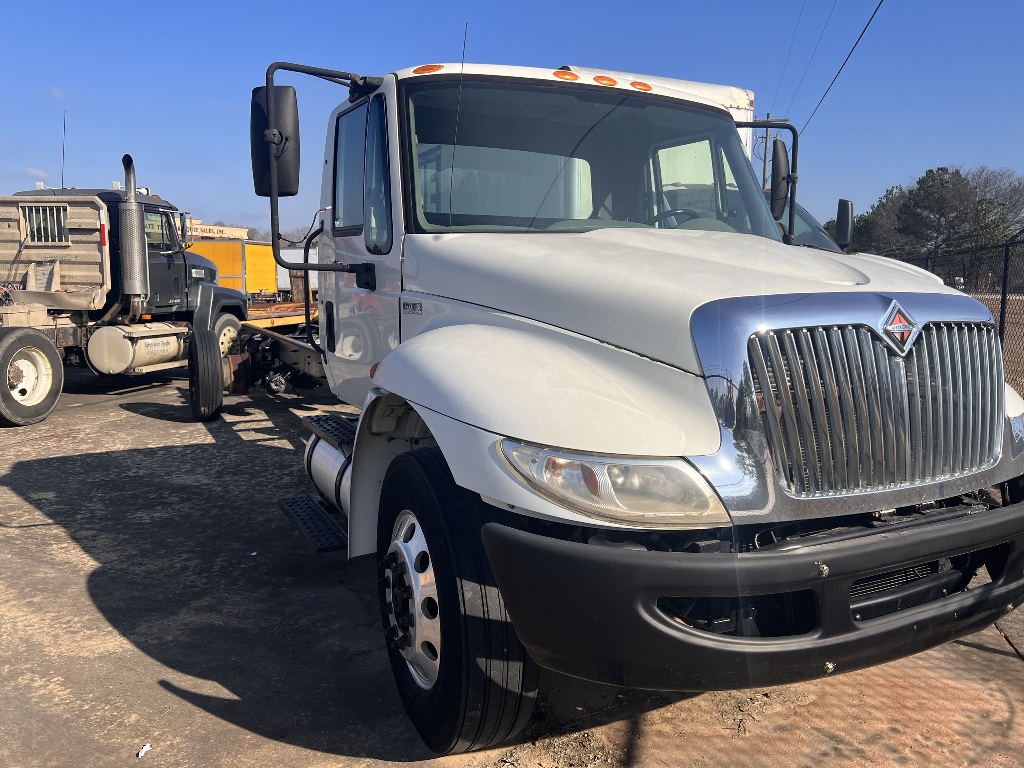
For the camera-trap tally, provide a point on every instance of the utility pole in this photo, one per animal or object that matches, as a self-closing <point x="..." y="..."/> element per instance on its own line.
<point x="764" y="174"/>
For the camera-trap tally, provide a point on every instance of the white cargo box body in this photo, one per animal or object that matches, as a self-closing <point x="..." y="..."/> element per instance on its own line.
<point x="54" y="251"/>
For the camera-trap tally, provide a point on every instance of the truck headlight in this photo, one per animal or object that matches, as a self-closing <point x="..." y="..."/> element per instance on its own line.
<point x="643" y="493"/>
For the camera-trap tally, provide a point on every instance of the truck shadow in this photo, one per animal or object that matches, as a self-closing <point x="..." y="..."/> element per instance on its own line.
<point x="198" y="569"/>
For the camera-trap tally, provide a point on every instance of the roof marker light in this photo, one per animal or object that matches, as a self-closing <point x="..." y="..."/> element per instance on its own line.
<point x="426" y="69"/>
<point x="605" y="80"/>
<point x="640" y="86"/>
<point x="564" y="74"/>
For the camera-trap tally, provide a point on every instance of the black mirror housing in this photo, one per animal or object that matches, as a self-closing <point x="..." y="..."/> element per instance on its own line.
<point x="285" y="142"/>
<point x="844" y="224"/>
<point x="780" y="178"/>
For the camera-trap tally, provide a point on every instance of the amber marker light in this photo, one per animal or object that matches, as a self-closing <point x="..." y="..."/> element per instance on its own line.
<point x="426" y="69"/>
<point x="605" y="80"/>
<point x="373" y="370"/>
<point x="564" y="74"/>
<point x="640" y="86"/>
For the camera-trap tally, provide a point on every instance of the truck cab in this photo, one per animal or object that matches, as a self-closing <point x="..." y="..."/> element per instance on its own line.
<point x="610" y="423"/>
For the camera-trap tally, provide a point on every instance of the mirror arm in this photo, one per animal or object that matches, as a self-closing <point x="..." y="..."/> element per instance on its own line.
<point x="272" y="136"/>
<point x="793" y="166"/>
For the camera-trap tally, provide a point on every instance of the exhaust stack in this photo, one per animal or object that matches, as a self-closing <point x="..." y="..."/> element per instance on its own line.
<point x="134" y="256"/>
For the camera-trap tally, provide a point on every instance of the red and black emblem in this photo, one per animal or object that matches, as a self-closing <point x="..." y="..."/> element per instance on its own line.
<point x="899" y="327"/>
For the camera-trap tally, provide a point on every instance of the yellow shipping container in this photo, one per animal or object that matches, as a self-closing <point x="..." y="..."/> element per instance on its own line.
<point x="246" y="266"/>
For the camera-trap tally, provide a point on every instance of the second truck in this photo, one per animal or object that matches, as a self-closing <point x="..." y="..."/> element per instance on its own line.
<point x="611" y="424"/>
<point x="99" y="278"/>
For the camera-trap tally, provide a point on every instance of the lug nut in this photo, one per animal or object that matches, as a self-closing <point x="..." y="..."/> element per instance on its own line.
<point x="385" y="581"/>
<point x="390" y="559"/>
<point x="398" y="569"/>
<point x="403" y="592"/>
<point x="404" y="641"/>
<point x="405" y="621"/>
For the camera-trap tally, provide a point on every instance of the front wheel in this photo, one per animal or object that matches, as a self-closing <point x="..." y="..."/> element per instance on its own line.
<point x="465" y="679"/>
<point x="205" y="375"/>
<point x="228" y="330"/>
<point x="32" y="376"/>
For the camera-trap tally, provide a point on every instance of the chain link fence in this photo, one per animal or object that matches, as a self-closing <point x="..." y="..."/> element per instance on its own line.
<point x="994" y="275"/>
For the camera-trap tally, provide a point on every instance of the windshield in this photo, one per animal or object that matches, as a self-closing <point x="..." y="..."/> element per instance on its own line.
<point x="807" y="231"/>
<point x="509" y="156"/>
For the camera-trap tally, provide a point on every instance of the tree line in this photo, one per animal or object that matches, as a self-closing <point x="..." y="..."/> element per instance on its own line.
<point x="947" y="210"/>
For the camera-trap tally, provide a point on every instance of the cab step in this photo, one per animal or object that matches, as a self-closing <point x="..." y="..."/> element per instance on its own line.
<point x="316" y="523"/>
<point x="337" y="431"/>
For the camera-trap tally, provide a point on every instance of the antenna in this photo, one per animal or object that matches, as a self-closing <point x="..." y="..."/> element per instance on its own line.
<point x="458" y="109"/>
<point x="63" y="144"/>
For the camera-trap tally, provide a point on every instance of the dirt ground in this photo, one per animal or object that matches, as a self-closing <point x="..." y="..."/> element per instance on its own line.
<point x="152" y="593"/>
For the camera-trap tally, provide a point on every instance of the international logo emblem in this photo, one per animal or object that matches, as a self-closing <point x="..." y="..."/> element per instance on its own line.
<point x="899" y="328"/>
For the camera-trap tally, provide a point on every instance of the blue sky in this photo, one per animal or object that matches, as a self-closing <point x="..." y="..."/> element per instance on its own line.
<point x="932" y="83"/>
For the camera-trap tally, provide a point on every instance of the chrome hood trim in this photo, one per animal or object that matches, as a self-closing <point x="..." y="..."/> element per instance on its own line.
<point x="743" y="471"/>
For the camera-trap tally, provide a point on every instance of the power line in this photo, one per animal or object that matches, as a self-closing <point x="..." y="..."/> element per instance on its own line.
<point x="790" y="106"/>
<point x="786" y="62"/>
<point x="843" y="65"/>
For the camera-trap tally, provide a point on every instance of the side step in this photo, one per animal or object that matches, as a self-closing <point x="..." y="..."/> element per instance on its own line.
<point x="334" y="430"/>
<point x="315" y="523"/>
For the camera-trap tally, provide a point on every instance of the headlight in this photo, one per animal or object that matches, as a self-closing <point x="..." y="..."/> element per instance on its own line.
<point x="644" y="493"/>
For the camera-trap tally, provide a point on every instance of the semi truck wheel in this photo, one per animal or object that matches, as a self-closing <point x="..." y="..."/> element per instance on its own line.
<point x="33" y="376"/>
<point x="465" y="680"/>
<point x="205" y="375"/>
<point x="228" y="331"/>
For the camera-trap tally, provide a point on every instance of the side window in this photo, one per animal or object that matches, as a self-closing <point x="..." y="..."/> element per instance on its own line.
<point x="158" y="232"/>
<point x="377" y="184"/>
<point x="688" y="177"/>
<point x="349" y="143"/>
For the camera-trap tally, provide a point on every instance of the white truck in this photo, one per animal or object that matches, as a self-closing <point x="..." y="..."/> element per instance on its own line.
<point x="610" y="423"/>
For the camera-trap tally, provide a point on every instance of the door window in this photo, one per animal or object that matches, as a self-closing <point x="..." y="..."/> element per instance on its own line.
<point x="377" y="185"/>
<point x="349" y="144"/>
<point x="159" y="231"/>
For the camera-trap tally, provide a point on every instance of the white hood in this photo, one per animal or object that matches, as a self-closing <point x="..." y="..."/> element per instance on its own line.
<point x="634" y="288"/>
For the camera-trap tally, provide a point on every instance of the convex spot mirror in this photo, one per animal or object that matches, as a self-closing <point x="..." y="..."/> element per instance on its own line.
<point x="844" y="224"/>
<point x="286" y="143"/>
<point x="780" y="178"/>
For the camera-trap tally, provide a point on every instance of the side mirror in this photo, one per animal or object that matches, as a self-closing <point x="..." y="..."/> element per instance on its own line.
<point x="185" y="229"/>
<point x="780" y="179"/>
<point x="844" y="224"/>
<point x="285" y="142"/>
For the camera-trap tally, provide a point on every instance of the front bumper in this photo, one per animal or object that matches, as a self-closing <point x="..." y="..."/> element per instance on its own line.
<point x="593" y="612"/>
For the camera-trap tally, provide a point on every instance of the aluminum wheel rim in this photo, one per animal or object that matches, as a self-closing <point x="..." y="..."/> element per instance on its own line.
<point x="29" y="376"/>
<point x="411" y="606"/>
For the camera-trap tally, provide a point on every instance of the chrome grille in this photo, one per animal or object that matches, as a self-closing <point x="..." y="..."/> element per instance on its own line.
<point x="851" y="416"/>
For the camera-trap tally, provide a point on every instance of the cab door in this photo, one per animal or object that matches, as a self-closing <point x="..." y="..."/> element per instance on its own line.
<point x="166" y="263"/>
<point x="359" y="324"/>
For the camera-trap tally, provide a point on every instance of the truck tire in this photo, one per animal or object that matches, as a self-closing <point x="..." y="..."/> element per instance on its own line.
<point x="31" y="376"/>
<point x="463" y="676"/>
<point x="228" y="330"/>
<point x="205" y="376"/>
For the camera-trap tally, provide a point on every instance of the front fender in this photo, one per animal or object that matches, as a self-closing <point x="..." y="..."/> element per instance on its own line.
<point x="208" y="300"/>
<point x="550" y="387"/>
